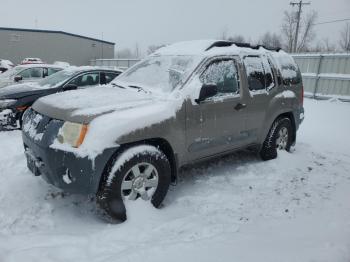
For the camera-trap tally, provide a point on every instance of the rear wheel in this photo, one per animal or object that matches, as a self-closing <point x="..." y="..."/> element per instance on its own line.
<point x="140" y="172"/>
<point x="278" y="138"/>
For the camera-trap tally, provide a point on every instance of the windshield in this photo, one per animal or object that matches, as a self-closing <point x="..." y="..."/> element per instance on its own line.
<point x="158" y="73"/>
<point x="56" y="78"/>
<point x="12" y="72"/>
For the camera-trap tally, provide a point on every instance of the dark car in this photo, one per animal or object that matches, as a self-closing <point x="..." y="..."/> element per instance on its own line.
<point x="15" y="99"/>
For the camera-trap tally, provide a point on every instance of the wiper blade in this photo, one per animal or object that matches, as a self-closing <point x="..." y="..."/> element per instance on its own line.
<point x="113" y="84"/>
<point x="139" y="88"/>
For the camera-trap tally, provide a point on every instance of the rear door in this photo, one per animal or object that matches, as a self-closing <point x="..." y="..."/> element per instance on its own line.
<point x="261" y="84"/>
<point x="216" y="124"/>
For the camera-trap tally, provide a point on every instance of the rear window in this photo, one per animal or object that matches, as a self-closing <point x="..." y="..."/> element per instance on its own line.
<point x="290" y="72"/>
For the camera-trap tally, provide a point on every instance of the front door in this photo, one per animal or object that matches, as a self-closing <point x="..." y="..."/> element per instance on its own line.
<point x="216" y="124"/>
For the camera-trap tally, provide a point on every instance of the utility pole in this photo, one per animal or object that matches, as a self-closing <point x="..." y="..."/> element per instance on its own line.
<point x="299" y="4"/>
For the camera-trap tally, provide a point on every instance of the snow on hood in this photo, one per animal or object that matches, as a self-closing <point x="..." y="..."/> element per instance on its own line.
<point x="85" y="104"/>
<point x="111" y="113"/>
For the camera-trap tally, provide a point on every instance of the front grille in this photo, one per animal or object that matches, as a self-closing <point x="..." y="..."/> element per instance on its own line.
<point x="35" y="124"/>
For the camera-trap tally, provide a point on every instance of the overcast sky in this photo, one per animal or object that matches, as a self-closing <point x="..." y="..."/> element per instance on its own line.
<point x="164" y="21"/>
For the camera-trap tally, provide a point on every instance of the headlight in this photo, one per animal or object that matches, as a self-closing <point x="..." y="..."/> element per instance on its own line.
<point x="72" y="134"/>
<point x="7" y="102"/>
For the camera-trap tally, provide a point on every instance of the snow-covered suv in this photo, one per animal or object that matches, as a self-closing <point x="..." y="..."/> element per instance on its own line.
<point x="187" y="102"/>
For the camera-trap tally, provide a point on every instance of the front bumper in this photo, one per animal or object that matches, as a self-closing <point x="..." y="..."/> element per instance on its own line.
<point x="62" y="169"/>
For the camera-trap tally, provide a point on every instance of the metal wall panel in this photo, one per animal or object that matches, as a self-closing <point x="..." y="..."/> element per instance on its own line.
<point x="51" y="47"/>
<point x="325" y="75"/>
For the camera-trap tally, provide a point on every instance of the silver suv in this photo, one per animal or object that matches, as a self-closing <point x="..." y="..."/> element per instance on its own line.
<point x="186" y="103"/>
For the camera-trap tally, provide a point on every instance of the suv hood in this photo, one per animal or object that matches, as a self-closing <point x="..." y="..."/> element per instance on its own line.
<point x="19" y="91"/>
<point x="82" y="106"/>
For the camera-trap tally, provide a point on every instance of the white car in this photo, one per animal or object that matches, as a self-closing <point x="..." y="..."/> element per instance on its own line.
<point x="5" y="65"/>
<point x="31" y="60"/>
<point x="27" y="73"/>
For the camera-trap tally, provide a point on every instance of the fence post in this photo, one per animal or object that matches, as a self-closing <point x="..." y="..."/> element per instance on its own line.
<point x="317" y="76"/>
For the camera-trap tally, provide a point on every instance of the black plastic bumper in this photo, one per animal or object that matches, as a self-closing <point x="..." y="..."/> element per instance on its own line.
<point x="63" y="169"/>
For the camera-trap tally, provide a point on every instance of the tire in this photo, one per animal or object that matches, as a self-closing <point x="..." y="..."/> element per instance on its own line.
<point x="273" y="139"/>
<point x="123" y="181"/>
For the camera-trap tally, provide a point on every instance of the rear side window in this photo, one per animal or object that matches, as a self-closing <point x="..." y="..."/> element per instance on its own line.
<point x="223" y="74"/>
<point x="290" y="72"/>
<point x="110" y="77"/>
<point x="89" y="79"/>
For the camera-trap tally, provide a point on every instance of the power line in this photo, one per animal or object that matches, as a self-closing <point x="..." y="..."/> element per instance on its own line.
<point x="332" y="21"/>
<point x="300" y="5"/>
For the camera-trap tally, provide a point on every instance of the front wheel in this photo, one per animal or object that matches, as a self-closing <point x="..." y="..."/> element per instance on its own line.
<point x="140" y="172"/>
<point x="278" y="138"/>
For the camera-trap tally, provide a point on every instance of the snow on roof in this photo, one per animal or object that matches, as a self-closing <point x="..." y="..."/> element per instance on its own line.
<point x="39" y="65"/>
<point x="206" y="48"/>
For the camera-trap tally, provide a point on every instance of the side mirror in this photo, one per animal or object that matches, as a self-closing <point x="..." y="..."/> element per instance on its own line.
<point x="18" y="78"/>
<point x="70" y="87"/>
<point x="207" y="90"/>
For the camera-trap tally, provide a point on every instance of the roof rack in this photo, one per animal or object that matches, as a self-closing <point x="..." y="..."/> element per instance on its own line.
<point x="223" y="43"/>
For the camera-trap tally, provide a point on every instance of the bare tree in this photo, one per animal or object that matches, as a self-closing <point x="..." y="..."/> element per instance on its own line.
<point x="288" y="29"/>
<point x="324" y="45"/>
<point x="306" y="32"/>
<point x="344" y="41"/>
<point x="270" y="40"/>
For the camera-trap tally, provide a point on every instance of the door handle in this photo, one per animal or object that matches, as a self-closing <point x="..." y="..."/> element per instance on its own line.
<point x="240" y="106"/>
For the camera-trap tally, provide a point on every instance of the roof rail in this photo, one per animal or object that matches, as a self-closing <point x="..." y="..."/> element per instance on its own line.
<point x="223" y="43"/>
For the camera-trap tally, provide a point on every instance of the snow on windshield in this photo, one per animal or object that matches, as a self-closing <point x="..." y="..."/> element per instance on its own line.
<point x="158" y="73"/>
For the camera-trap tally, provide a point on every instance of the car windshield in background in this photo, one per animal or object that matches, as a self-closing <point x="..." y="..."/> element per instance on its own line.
<point x="57" y="78"/>
<point x="11" y="72"/>
<point x="158" y="73"/>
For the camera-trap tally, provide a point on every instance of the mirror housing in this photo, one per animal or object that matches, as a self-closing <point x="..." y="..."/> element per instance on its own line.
<point x="70" y="87"/>
<point x="18" y="78"/>
<point x="207" y="90"/>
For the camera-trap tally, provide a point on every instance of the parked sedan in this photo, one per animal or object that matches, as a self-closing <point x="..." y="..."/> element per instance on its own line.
<point x="15" y="99"/>
<point x="28" y="73"/>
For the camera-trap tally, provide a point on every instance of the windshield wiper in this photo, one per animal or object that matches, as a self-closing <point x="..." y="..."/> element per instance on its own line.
<point x="139" y="88"/>
<point x="113" y="84"/>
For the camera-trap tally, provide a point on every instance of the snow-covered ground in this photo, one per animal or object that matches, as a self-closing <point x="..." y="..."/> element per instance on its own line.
<point x="238" y="208"/>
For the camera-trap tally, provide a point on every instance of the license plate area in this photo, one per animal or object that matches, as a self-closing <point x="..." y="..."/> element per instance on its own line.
<point x="34" y="164"/>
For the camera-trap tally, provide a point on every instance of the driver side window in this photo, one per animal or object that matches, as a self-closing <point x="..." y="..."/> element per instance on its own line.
<point x="223" y="74"/>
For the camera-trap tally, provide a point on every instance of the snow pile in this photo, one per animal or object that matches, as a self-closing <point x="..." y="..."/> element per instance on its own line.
<point x="294" y="208"/>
